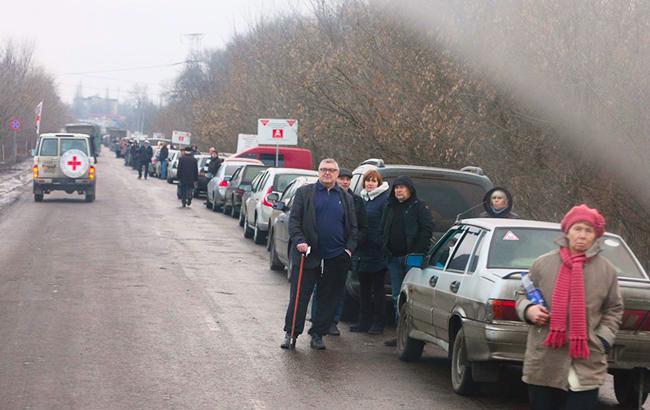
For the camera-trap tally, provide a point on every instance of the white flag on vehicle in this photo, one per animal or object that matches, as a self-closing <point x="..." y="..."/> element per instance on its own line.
<point x="38" y="111"/>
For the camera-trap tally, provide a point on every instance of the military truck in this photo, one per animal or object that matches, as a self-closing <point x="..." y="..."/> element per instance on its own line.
<point x="90" y="129"/>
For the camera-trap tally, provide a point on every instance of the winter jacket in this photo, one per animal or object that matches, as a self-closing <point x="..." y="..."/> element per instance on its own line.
<point x="213" y="166"/>
<point x="145" y="154"/>
<point x="188" y="171"/>
<point x="370" y="253"/>
<point x="545" y="366"/>
<point x="418" y="224"/>
<point x="362" y="218"/>
<point x="491" y="213"/>
<point x="163" y="154"/>
<point x="302" y="223"/>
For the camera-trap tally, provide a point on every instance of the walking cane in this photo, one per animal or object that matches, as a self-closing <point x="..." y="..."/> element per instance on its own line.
<point x="295" y="306"/>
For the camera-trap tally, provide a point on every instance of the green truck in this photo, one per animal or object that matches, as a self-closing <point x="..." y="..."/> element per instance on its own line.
<point x="90" y="129"/>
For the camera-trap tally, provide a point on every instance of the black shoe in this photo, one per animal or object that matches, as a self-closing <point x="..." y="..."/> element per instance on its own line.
<point x="139" y="177"/>
<point x="334" y="330"/>
<point x="189" y="202"/>
<point x="391" y="343"/>
<point x="359" y="328"/>
<point x="183" y="202"/>
<point x="317" y="342"/>
<point x="376" y="330"/>
<point x="286" y="342"/>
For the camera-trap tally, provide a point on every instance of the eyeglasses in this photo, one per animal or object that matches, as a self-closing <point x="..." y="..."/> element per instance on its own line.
<point x="328" y="170"/>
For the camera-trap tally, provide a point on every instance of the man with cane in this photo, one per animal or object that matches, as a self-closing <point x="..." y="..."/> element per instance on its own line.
<point x="322" y="221"/>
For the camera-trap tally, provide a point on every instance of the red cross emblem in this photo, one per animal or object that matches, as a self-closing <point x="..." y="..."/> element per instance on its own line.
<point x="74" y="163"/>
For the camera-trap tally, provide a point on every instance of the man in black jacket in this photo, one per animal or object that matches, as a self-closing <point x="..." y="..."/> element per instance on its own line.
<point x="322" y="220"/>
<point x="162" y="157"/>
<point x="215" y="163"/>
<point x="145" y="152"/>
<point x="407" y="228"/>
<point x="188" y="175"/>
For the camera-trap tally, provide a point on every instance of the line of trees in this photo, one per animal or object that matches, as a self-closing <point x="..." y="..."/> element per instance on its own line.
<point x="23" y="84"/>
<point x="549" y="98"/>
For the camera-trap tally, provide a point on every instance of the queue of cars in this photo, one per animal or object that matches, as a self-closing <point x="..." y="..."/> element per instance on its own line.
<point x="461" y="295"/>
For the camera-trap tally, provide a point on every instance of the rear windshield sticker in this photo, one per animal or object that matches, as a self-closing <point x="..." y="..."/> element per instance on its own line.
<point x="612" y="243"/>
<point x="510" y="236"/>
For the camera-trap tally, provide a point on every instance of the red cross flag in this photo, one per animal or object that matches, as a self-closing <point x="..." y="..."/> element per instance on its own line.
<point x="38" y="111"/>
<point x="74" y="163"/>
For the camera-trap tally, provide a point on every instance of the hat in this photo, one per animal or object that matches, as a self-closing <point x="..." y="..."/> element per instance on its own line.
<point x="188" y="149"/>
<point x="146" y="141"/>
<point x="582" y="213"/>
<point x="344" y="172"/>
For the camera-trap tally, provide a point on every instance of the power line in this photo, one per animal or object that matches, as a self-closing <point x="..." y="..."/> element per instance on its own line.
<point x="130" y="69"/>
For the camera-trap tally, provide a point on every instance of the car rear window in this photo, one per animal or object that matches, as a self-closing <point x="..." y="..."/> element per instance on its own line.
<point x="517" y="248"/>
<point x="447" y="199"/>
<point x="49" y="147"/>
<point x="251" y="172"/>
<point x="230" y="169"/>
<point x="281" y="181"/>
<point x="68" y="144"/>
<point x="269" y="159"/>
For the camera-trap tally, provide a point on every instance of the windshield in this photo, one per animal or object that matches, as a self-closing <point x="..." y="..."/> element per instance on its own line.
<point x="68" y="144"/>
<point x="251" y="172"/>
<point x="517" y="248"/>
<point x="447" y="199"/>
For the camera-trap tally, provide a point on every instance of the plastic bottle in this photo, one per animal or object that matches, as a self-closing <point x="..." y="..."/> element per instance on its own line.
<point x="532" y="293"/>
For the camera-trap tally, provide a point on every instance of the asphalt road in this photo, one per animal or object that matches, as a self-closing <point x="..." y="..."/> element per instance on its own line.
<point x="132" y="302"/>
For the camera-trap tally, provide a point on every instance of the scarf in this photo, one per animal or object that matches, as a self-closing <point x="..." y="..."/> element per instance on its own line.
<point x="369" y="196"/>
<point x="569" y="297"/>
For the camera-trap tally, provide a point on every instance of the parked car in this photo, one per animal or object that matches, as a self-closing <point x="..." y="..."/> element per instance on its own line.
<point x="462" y="298"/>
<point x="202" y="162"/>
<point x="289" y="157"/>
<point x="278" y="244"/>
<point x="258" y="206"/>
<point x="172" y="165"/>
<point x="216" y="190"/>
<point x="239" y="184"/>
<point x="449" y="193"/>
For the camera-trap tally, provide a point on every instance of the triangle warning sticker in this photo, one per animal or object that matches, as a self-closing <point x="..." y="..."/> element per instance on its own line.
<point x="510" y="236"/>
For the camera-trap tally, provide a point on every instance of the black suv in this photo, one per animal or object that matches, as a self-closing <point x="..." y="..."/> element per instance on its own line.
<point x="449" y="193"/>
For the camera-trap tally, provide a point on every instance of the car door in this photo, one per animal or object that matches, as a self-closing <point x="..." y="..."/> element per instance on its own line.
<point x="258" y="195"/>
<point x="281" y="224"/>
<point x="252" y="199"/>
<point x="451" y="278"/>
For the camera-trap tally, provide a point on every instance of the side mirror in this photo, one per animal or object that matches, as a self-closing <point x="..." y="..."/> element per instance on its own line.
<point x="414" y="260"/>
<point x="33" y="152"/>
<point x="273" y="197"/>
<point x="279" y="206"/>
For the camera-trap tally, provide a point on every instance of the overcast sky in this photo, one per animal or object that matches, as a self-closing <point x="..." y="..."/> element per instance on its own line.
<point x="84" y="36"/>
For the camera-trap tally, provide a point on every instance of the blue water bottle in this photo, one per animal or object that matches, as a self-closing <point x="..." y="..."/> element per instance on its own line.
<point x="532" y="293"/>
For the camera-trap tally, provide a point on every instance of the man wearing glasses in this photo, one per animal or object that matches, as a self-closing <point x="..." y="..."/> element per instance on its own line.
<point x="322" y="220"/>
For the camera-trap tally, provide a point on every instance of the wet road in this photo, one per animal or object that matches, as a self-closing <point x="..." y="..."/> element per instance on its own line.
<point x="133" y="302"/>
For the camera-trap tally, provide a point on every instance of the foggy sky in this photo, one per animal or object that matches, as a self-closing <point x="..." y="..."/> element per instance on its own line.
<point x="72" y="36"/>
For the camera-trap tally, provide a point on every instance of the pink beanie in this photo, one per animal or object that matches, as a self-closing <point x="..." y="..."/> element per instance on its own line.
<point x="582" y="213"/>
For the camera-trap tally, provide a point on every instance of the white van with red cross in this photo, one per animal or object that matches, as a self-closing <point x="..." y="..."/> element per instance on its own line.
<point x="64" y="162"/>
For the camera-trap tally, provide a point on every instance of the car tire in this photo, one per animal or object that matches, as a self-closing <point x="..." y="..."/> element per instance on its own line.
<point x="90" y="196"/>
<point x="274" y="261"/>
<point x="248" y="231"/>
<point x="170" y="181"/>
<point x="241" y="217"/>
<point x="259" y="236"/>
<point x="227" y="209"/>
<point x="461" y="369"/>
<point x="408" y="349"/>
<point x="38" y="197"/>
<point x="208" y="204"/>
<point x="215" y="207"/>
<point x="625" y="389"/>
<point x="233" y="209"/>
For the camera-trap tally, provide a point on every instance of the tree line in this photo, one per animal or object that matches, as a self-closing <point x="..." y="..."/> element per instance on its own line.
<point x="549" y="98"/>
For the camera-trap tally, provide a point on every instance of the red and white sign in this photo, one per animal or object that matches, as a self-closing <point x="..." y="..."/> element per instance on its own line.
<point x="74" y="163"/>
<point x="181" y="137"/>
<point x="277" y="132"/>
<point x="38" y="112"/>
<point x="510" y="236"/>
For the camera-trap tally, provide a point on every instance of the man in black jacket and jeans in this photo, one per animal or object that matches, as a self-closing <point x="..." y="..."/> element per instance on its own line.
<point x="407" y="227"/>
<point x="188" y="175"/>
<point x="323" y="219"/>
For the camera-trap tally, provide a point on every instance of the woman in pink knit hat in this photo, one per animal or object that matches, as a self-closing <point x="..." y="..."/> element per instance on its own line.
<point x="566" y="351"/>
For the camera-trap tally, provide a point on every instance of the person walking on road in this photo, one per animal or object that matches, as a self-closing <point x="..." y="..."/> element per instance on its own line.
<point x="371" y="268"/>
<point x="407" y="227"/>
<point x="566" y="351"/>
<point x="144" y="155"/>
<point x="162" y="157"/>
<point x="498" y="204"/>
<point x="323" y="220"/>
<point x="343" y="181"/>
<point x="188" y="176"/>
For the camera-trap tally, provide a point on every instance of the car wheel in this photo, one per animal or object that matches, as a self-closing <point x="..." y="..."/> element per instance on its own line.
<point x="38" y="197"/>
<point x="233" y="209"/>
<point x="241" y="217"/>
<point x="227" y="209"/>
<point x="215" y="207"/>
<point x="461" y="369"/>
<point x="259" y="236"/>
<point x="208" y="204"/>
<point x="274" y="261"/>
<point x="90" y="196"/>
<point x="170" y="181"/>
<point x="248" y="231"/>
<point x="408" y="349"/>
<point x="625" y="389"/>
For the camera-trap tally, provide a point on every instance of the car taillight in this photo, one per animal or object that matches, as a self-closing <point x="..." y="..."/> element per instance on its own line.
<point x="91" y="173"/>
<point x="503" y="309"/>
<point x="266" y="200"/>
<point x="223" y="183"/>
<point x="635" y="320"/>
<point x="35" y="171"/>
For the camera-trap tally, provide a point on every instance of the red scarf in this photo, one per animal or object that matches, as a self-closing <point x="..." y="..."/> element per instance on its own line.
<point x="569" y="295"/>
